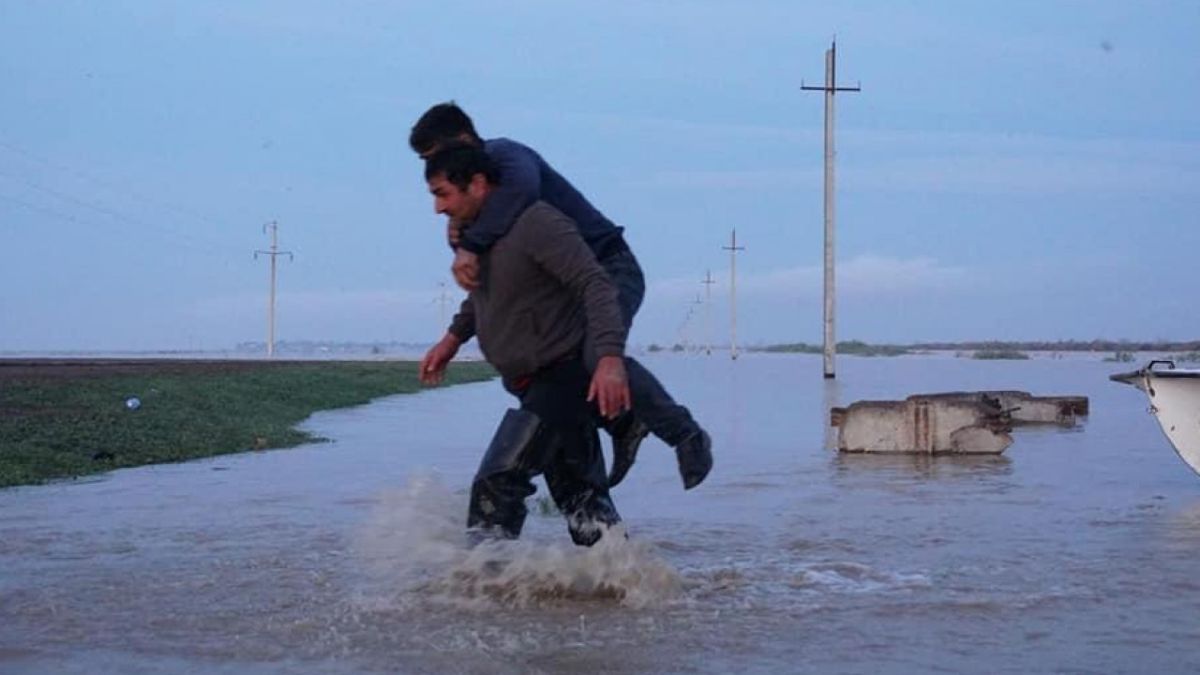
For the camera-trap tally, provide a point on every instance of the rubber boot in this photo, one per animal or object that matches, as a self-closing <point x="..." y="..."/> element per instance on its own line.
<point x="503" y="481"/>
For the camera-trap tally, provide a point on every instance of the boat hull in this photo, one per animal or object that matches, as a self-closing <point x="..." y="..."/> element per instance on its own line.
<point x="1175" y="402"/>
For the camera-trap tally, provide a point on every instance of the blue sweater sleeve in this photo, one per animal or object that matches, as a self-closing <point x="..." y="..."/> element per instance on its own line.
<point x="520" y="185"/>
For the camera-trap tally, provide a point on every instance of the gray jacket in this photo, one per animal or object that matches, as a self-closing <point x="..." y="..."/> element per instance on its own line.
<point x="541" y="291"/>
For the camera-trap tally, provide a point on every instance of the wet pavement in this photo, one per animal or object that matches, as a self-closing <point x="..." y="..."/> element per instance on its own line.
<point x="1074" y="551"/>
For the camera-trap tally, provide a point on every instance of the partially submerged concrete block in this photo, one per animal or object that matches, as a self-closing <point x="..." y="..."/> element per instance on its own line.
<point x="951" y="422"/>
<point x="922" y="425"/>
<point x="1024" y="408"/>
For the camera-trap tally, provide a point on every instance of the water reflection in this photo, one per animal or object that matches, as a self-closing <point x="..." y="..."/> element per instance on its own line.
<point x="923" y="467"/>
<point x="831" y="397"/>
<point x="1182" y="529"/>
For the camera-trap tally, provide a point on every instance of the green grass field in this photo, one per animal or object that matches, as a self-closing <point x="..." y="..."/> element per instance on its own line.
<point x="52" y="428"/>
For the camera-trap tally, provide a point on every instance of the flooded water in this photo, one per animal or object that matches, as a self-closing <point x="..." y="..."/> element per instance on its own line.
<point x="1075" y="551"/>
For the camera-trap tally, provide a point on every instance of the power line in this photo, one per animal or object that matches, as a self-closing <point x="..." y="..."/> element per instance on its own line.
<point x="119" y="217"/>
<point x="110" y="185"/>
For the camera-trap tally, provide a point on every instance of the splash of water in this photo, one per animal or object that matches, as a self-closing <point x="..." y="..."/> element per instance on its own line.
<point x="850" y="577"/>
<point x="416" y="550"/>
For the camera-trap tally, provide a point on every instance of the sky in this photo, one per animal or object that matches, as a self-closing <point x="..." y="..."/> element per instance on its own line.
<point x="1027" y="170"/>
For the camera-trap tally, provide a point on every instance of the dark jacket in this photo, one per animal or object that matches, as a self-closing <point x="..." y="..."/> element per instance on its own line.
<point x="541" y="289"/>
<point x="525" y="178"/>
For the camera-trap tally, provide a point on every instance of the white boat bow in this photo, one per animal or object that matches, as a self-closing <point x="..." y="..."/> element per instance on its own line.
<point x="1174" y="395"/>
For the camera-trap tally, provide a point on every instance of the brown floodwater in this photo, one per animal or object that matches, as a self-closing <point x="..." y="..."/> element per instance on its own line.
<point x="1075" y="551"/>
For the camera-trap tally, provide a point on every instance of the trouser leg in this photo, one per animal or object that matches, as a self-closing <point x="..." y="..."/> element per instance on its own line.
<point x="652" y="405"/>
<point x="579" y="486"/>
<point x="655" y="408"/>
<point x="574" y="465"/>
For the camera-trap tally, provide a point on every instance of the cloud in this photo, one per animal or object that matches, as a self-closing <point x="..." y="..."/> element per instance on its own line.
<point x="951" y="162"/>
<point x="866" y="275"/>
<point x="1027" y="175"/>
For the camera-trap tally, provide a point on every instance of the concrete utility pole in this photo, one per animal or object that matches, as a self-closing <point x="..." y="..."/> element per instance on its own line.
<point x="708" y="281"/>
<point x="733" y="248"/>
<point x="274" y="253"/>
<point x="830" y="89"/>
<point x="441" y="300"/>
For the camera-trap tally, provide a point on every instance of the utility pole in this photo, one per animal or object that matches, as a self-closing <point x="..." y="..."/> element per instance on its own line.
<point x="441" y="301"/>
<point x="708" y="281"/>
<point x="830" y="89"/>
<point x="733" y="249"/>
<point x="274" y="253"/>
<point x="687" y="323"/>
<point x="681" y="338"/>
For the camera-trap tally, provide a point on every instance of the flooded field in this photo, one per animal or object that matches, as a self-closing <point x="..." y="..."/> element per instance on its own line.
<point x="1075" y="551"/>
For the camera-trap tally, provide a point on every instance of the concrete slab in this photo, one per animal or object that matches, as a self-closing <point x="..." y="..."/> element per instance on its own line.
<point x="960" y="422"/>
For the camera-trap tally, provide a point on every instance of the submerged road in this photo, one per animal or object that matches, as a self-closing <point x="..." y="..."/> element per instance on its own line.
<point x="1072" y="551"/>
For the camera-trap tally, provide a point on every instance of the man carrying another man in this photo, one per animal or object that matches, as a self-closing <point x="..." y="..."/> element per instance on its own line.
<point x="539" y="294"/>
<point x="524" y="178"/>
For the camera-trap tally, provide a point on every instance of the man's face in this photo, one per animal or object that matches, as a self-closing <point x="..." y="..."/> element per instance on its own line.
<point x="460" y="205"/>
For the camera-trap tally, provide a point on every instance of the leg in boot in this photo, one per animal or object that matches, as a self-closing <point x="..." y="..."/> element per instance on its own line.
<point x="627" y="433"/>
<point x="654" y="408"/>
<point x="672" y="423"/>
<point x="575" y="476"/>
<point x="695" y="459"/>
<point x="502" y="483"/>
<point x="497" y="507"/>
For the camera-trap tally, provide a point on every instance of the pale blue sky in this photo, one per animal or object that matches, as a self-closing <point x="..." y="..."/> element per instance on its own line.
<point x="1016" y="170"/>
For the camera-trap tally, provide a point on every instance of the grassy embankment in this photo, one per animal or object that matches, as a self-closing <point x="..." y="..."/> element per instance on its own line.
<point x="64" y="427"/>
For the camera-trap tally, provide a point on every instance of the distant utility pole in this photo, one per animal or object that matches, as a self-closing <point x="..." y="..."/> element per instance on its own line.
<point x="830" y="89"/>
<point x="681" y="339"/>
<point x="441" y="300"/>
<point x="733" y="249"/>
<point x="274" y="253"/>
<point x="688" y="321"/>
<point x="708" y="281"/>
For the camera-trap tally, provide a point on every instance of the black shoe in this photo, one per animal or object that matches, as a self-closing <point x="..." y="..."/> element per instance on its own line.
<point x="695" y="458"/>
<point x="627" y="438"/>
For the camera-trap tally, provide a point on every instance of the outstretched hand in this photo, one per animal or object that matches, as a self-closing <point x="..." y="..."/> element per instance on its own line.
<point x="433" y="365"/>
<point x="610" y="387"/>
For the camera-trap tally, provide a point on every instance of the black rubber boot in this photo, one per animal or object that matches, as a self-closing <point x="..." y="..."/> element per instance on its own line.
<point x="695" y="458"/>
<point x="580" y="489"/>
<point x="589" y="515"/>
<point x="504" y="478"/>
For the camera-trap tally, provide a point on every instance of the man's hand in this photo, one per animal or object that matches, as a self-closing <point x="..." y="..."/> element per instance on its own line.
<point x="466" y="269"/>
<point x="610" y="387"/>
<point x="433" y="366"/>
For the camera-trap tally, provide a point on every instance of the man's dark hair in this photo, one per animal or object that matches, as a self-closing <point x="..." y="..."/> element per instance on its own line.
<point x="460" y="162"/>
<point x="442" y="123"/>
